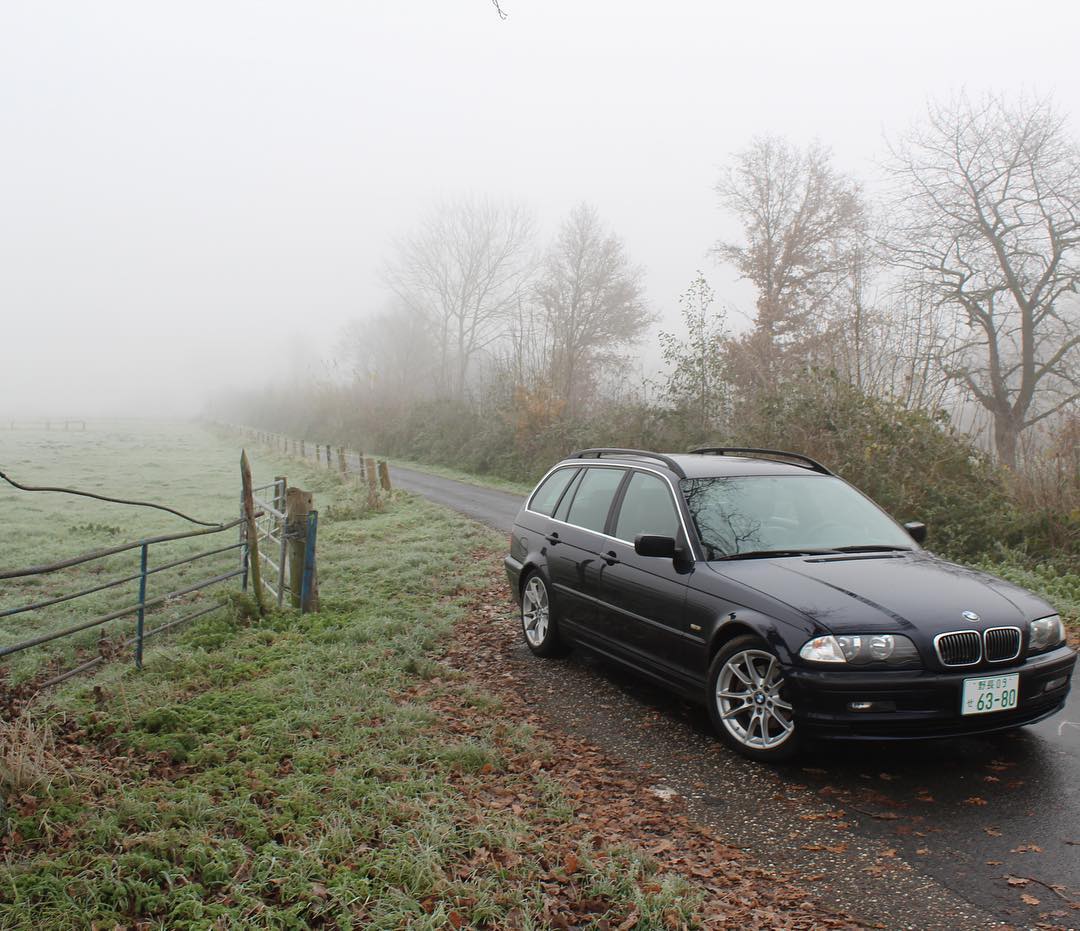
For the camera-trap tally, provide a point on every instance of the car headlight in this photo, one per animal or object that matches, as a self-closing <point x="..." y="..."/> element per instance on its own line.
<point x="861" y="650"/>
<point x="1045" y="633"/>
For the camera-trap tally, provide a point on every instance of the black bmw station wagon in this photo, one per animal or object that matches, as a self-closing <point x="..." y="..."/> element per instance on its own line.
<point x="761" y="583"/>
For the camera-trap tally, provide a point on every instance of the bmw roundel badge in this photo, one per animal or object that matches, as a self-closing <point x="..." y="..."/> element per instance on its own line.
<point x="970" y="616"/>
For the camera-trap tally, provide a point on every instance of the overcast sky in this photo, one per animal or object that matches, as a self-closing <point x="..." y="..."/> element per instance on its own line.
<point x="194" y="194"/>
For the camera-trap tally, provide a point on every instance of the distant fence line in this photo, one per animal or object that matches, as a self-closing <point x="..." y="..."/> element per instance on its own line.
<point x="57" y="424"/>
<point x="351" y="465"/>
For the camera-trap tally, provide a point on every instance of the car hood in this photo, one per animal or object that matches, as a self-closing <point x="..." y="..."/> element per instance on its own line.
<point x="887" y="592"/>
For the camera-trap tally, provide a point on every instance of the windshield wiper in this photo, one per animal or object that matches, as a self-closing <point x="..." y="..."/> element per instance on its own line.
<point x="765" y="554"/>
<point x="874" y="548"/>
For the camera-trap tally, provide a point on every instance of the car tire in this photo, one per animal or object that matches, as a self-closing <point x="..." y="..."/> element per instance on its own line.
<point x="747" y="702"/>
<point x="539" y="623"/>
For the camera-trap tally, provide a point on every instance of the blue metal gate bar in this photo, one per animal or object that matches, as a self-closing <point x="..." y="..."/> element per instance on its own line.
<point x="123" y="612"/>
<point x="100" y="588"/>
<point x="111" y="551"/>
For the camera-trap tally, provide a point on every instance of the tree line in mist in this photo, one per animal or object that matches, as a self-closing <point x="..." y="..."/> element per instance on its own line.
<point x="883" y="322"/>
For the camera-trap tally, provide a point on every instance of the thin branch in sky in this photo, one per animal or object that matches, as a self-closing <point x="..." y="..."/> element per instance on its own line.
<point x="498" y="9"/>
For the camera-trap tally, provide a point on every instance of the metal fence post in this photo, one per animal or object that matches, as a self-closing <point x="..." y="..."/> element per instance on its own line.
<point x="283" y="552"/>
<point x="140" y="617"/>
<point x="243" y="548"/>
<point x="308" y="588"/>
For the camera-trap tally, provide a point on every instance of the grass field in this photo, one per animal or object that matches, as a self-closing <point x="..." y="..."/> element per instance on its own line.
<point x="285" y="772"/>
<point x="179" y="465"/>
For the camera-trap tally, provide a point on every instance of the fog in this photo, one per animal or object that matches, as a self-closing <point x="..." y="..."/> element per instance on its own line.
<point x="198" y="196"/>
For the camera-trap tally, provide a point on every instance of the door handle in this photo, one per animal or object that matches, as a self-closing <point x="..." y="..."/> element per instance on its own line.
<point x="611" y="558"/>
<point x="552" y="538"/>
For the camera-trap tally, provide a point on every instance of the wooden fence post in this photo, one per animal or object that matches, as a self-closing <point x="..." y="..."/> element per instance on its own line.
<point x="371" y="473"/>
<point x="384" y="475"/>
<point x="341" y="462"/>
<point x="328" y="455"/>
<point x="252" y="533"/>
<point x="297" y="507"/>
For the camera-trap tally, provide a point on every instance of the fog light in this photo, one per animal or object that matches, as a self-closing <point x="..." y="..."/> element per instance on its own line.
<point x="871" y="706"/>
<point x="1055" y="683"/>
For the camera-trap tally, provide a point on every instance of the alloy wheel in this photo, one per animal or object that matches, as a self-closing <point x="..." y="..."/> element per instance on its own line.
<point x="749" y="701"/>
<point x="535" y="611"/>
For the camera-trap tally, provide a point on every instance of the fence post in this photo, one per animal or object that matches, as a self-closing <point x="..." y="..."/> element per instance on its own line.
<point x="372" y="480"/>
<point x="328" y="455"/>
<point x="252" y="533"/>
<point x="297" y="506"/>
<point x="309" y="589"/>
<point x="341" y="462"/>
<point x="384" y="475"/>
<point x="281" y="486"/>
<point x="141" y="616"/>
<point x="243" y="548"/>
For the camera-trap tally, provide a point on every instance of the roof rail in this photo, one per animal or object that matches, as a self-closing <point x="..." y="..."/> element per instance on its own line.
<point x="601" y="451"/>
<point x="799" y="458"/>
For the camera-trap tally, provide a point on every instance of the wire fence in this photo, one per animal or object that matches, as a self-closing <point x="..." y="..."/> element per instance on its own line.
<point x="271" y="530"/>
<point x="263" y="539"/>
<point x="139" y="609"/>
<point x="66" y="424"/>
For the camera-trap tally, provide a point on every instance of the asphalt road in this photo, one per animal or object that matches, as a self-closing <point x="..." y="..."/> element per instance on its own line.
<point x="938" y="834"/>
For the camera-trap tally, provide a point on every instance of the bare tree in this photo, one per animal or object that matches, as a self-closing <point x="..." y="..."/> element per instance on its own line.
<point x="800" y="220"/>
<point x="389" y="355"/>
<point x="987" y="214"/>
<point x="592" y="300"/>
<point x="463" y="271"/>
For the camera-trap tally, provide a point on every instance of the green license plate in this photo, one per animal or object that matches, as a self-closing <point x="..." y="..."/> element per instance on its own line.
<point x="990" y="693"/>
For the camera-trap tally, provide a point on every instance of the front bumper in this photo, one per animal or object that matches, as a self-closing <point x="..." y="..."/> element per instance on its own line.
<point x="927" y="703"/>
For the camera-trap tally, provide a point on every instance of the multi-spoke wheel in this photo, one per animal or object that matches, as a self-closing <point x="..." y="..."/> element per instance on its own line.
<point x="748" y="703"/>
<point x="537" y="618"/>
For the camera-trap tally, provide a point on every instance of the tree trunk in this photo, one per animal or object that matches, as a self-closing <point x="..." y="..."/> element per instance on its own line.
<point x="1006" y="439"/>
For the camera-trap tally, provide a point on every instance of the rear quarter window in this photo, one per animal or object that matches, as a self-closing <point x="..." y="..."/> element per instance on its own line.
<point x="546" y="497"/>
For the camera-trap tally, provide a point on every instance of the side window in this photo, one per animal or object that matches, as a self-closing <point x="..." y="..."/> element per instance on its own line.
<point x="647" y="507"/>
<point x="568" y="498"/>
<point x="547" y="495"/>
<point x="593" y="499"/>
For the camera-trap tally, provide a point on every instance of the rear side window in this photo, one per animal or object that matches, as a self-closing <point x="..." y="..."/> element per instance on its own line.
<point x="568" y="498"/>
<point x="593" y="500"/>
<point x="547" y="495"/>
<point x="647" y="507"/>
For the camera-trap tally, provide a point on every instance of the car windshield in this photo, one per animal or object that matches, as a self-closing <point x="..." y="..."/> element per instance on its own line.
<point x="761" y="514"/>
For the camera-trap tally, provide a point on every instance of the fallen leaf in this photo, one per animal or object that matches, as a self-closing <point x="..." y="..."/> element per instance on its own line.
<point x="975" y="800"/>
<point x="1017" y="880"/>
<point x="1029" y="899"/>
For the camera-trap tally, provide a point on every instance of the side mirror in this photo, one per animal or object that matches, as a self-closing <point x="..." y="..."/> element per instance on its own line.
<point x="651" y="544"/>
<point x="916" y="530"/>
